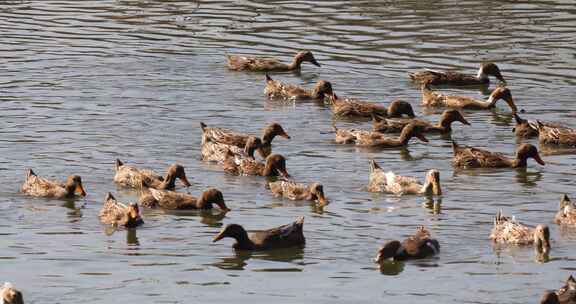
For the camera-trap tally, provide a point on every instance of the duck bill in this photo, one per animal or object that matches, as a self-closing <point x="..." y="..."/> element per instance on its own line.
<point x="510" y="103"/>
<point x="218" y="237"/>
<point x="80" y="190"/>
<point x="464" y="121"/>
<point x="185" y="181"/>
<point x="422" y="137"/>
<point x="379" y="258"/>
<point x="223" y="207"/>
<point x="285" y="135"/>
<point x="500" y="77"/>
<point x="314" y="62"/>
<point x="539" y="160"/>
<point x="322" y="201"/>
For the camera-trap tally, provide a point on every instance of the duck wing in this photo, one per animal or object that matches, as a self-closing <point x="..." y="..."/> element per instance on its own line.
<point x="281" y="237"/>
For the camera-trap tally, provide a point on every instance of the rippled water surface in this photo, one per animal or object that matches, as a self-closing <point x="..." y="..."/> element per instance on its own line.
<point x="85" y="82"/>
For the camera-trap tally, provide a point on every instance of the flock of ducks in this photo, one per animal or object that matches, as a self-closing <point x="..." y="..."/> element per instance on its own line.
<point x="392" y="126"/>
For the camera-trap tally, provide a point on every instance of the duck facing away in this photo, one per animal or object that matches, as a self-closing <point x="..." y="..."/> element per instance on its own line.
<point x="171" y="200"/>
<point x="527" y="129"/>
<point x="418" y="246"/>
<point x="564" y="295"/>
<point x="35" y="185"/>
<point x="217" y="152"/>
<point x="134" y="177"/>
<point x="508" y="231"/>
<point x="566" y="214"/>
<point x="444" y="125"/>
<point x="262" y="64"/>
<point x="233" y="138"/>
<point x="389" y="182"/>
<point x="470" y="157"/>
<point x="276" y="89"/>
<point x="10" y="295"/>
<point x="299" y="192"/>
<point x="349" y="107"/>
<point x="275" y="165"/>
<point x="367" y="138"/>
<point x="455" y="78"/>
<point x="558" y="136"/>
<point x="118" y="214"/>
<point x="435" y="99"/>
<point x="290" y="235"/>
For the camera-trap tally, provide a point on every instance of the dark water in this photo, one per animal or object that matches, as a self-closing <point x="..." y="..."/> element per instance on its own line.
<point x="85" y="82"/>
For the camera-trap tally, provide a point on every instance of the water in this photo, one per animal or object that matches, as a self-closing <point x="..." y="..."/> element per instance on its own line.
<point x="85" y="82"/>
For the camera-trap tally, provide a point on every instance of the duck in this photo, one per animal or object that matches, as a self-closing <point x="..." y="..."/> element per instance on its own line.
<point x="134" y="177"/>
<point x="434" y="77"/>
<point x="566" y="214"/>
<point x="233" y="138"/>
<point x="509" y="231"/>
<point x="262" y="64"/>
<point x="435" y="99"/>
<point x="275" y="165"/>
<point x="527" y="129"/>
<point x="276" y="89"/>
<point x="366" y="138"/>
<point x="470" y="157"/>
<point x="418" y="246"/>
<point x="118" y="214"/>
<point x="289" y="235"/>
<point x="35" y="185"/>
<point x="299" y="192"/>
<point x="172" y="200"/>
<point x="390" y="182"/>
<point x="444" y="125"/>
<point x="216" y="152"/>
<point x="558" y="136"/>
<point x="564" y="295"/>
<point x="349" y="107"/>
<point x="10" y="295"/>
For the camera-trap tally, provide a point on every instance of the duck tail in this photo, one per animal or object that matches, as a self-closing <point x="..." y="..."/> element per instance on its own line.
<point x="373" y="166"/>
<point x="118" y="164"/>
<point x="268" y="78"/>
<point x="564" y="201"/>
<point x="29" y="173"/>
<point x="539" y="125"/>
<point x="109" y="196"/>
<point x="203" y="126"/>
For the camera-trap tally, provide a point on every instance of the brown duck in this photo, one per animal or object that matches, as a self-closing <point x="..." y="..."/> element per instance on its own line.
<point x="455" y="78"/>
<point x="131" y="176"/>
<point x="261" y="64"/>
<point x="444" y="126"/>
<point x="435" y="99"/>
<point x="349" y="107"/>
<point x="171" y="200"/>
<point x="10" y="295"/>
<point x="527" y="129"/>
<point x="299" y="192"/>
<point x="566" y="214"/>
<point x="418" y="246"/>
<point x="290" y="235"/>
<point x="229" y="137"/>
<point x="508" y="231"/>
<point x="564" y="295"/>
<point x="469" y="157"/>
<point x="367" y="138"/>
<point x="558" y="136"/>
<point x="276" y="89"/>
<point x="389" y="182"/>
<point x="275" y="165"/>
<point x="35" y="185"/>
<point x="217" y="152"/>
<point x="118" y="214"/>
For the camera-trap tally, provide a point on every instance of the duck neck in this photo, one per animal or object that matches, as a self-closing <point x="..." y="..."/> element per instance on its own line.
<point x="431" y="188"/>
<point x="296" y="63"/>
<point x="518" y="162"/>
<point x="269" y="170"/>
<point x="481" y="76"/>
<point x="243" y="242"/>
<point x="70" y="189"/>
<point x="169" y="182"/>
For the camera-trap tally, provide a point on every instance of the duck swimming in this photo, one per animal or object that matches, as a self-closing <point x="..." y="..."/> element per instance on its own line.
<point x="233" y="138"/>
<point x="564" y="295"/>
<point x="118" y="214"/>
<point x="35" y="185"/>
<point x="299" y="192"/>
<point x="367" y="138"/>
<point x="444" y="126"/>
<point x="470" y="157"/>
<point x="275" y="165"/>
<point x="435" y="99"/>
<point x="134" y="177"/>
<point x="566" y="214"/>
<point x="217" y="152"/>
<point x="261" y="64"/>
<point x="171" y="200"/>
<point x="508" y="231"/>
<point x="455" y="78"/>
<point x="559" y="136"/>
<point x="349" y="107"/>
<point x="418" y="246"/>
<point x="389" y="182"/>
<point x="276" y="89"/>
<point x="527" y="129"/>
<point x="290" y="235"/>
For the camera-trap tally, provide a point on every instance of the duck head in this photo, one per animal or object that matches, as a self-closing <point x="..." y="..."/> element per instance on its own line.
<point x="213" y="196"/>
<point x="526" y="151"/>
<point x="398" y="108"/>
<point x="306" y="56"/>
<point x="503" y="93"/>
<point x="316" y="191"/>
<point x="542" y="239"/>
<point x="275" y="166"/>
<point x="134" y="218"/>
<point x="322" y="89"/>
<point x="177" y="171"/>
<point x="490" y="68"/>
<point x="74" y="185"/>
<point x="9" y="295"/>
<point x="234" y="231"/>
<point x="412" y="130"/>
<point x="523" y="128"/>
<point x="389" y="250"/>
<point x="432" y="183"/>
<point x="450" y="116"/>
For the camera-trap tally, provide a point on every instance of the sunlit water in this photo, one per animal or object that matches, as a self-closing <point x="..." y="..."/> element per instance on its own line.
<point x="85" y="82"/>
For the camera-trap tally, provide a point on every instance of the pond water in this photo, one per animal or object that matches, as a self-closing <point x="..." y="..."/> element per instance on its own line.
<point x="85" y="82"/>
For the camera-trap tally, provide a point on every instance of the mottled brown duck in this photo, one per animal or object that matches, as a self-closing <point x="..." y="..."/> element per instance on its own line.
<point x="444" y="125"/>
<point x="389" y="182"/>
<point x="509" y="231"/>
<point x="434" y="77"/>
<point x="263" y="64"/>
<point x="35" y="185"/>
<point x="217" y="152"/>
<point x="274" y="165"/>
<point x="118" y="214"/>
<point x="134" y="177"/>
<point x="366" y="138"/>
<point x="557" y="136"/>
<point x="276" y="89"/>
<point x="470" y="157"/>
<point x="432" y="98"/>
<point x="172" y="200"/>
<point x="299" y="192"/>
<point x="350" y="107"/>
<point x="527" y="129"/>
<point x="566" y="214"/>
